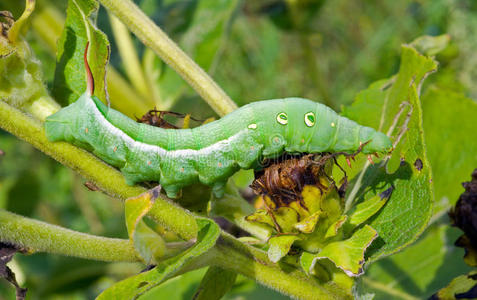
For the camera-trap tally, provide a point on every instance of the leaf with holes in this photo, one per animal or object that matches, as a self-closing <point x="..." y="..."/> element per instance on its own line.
<point x="409" y="208"/>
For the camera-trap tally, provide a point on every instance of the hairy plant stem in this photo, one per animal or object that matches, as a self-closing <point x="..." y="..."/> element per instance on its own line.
<point x="233" y="255"/>
<point x="38" y="236"/>
<point x="152" y="36"/>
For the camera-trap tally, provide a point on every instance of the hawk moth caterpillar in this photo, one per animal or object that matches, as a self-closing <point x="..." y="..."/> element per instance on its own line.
<point x="212" y="152"/>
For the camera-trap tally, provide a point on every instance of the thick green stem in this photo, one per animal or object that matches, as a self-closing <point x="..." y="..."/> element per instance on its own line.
<point x="42" y="237"/>
<point x="152" y="36"/>
<point x="230" y="254"/>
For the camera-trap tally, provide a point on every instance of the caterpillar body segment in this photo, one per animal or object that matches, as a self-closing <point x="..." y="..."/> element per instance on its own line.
<point x="210" y="153"/>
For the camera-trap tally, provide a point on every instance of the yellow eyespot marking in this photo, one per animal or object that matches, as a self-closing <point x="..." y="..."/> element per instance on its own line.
<point x="332" y="124"/>
<point x="310" y="119"/>
<point x="252" y="126"/>
<point x="282" y="118"/>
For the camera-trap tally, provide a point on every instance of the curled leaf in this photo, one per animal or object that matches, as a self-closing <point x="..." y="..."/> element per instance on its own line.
<point x="348" y="255"/>
<point x="333" y="229"/>
<point x="308" y="224"/>
<point x="261" y="216"/>
<point x="280" y="246"/>
<point x="149" y="244"/>
<point x="431" y="45"/>
<point x="368" y="208"/>
<point x="14" y="32"/>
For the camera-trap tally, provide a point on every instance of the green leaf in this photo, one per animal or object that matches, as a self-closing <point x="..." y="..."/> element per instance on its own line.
<point x="177" y="288"/>
<point x="145" y="240"/>
<point x="307" y="262"/>
<point x="238" y="211"/>
<point x="148" y="243"/>
<point x="408" y="210"/>
<point x="280" y="246"/>
<point x="368" y="208"/>
<point x="134" y="286"/>
<point x="70" y="78"/>
<point x="431" y="45"/>
<point x="333" y="229"/>
<point x="261" y="216"/>
<point x="462" y="287"/>
<point x="286" y="218"/>
<point x="215" y="284"/>
<point x="308" y="224"/>
<point x="15" y="30"/>
<point x="450" y="135"/>
<point x="419" y="270"/>
<point x="347" y="255"/>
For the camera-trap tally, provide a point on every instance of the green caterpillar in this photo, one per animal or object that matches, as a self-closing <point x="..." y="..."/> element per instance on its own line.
<point x="210" y="153"/>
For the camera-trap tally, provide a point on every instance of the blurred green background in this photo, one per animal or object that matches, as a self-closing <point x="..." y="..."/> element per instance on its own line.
<point x="322" y="50"/>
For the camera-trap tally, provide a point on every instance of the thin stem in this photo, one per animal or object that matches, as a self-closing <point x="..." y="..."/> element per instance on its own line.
<point x="151" y="74"/>
<point x="43" y="237"/>
<point x="152" y="36"/>
<point x="128" y="55"/>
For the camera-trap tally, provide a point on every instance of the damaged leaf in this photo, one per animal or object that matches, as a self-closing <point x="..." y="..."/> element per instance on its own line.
<point x="333" y="229"/>
<point x="348" y="255"/>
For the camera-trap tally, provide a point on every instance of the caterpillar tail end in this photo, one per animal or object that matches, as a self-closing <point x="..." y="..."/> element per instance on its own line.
<point x="57" y="126"/>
